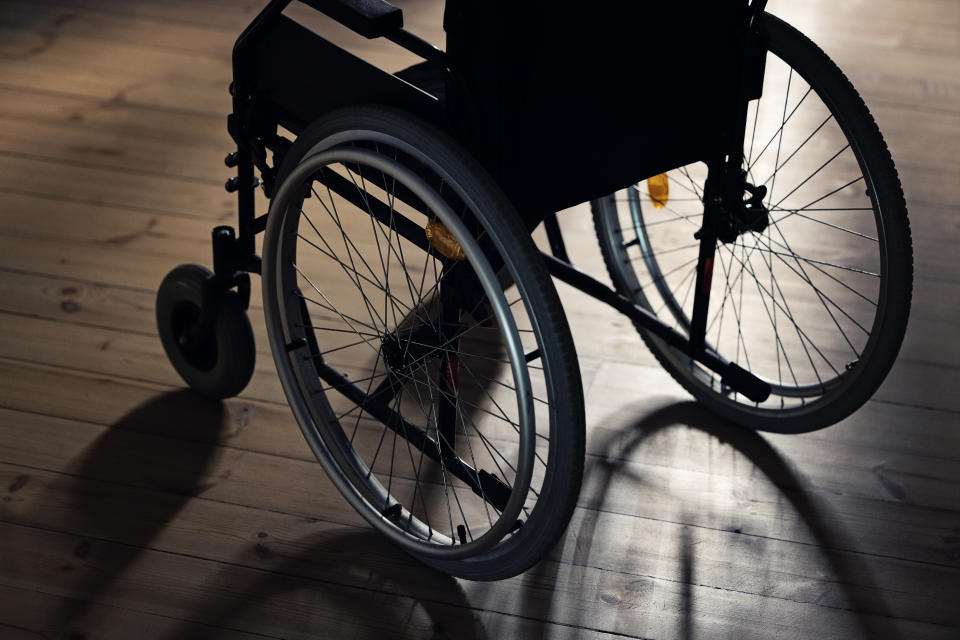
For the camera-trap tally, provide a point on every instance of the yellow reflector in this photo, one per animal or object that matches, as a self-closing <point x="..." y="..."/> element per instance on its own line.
<point x="658" y="188"/>
<point x="443" y="241"/>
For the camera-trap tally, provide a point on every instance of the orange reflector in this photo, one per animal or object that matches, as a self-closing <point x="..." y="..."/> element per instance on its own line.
<point x="658" y="188"/>
<point x="443" y="241"/>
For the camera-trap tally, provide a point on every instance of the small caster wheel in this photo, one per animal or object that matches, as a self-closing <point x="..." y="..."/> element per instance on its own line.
<point x="221" y="364"/>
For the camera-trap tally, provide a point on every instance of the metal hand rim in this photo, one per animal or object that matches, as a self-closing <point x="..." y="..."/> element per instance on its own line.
<point x="293" y="385"/>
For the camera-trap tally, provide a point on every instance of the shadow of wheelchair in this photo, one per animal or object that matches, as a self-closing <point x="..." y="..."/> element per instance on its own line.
<point x="388" y="594"/>
<point x="176" y="461"/>
<point x="121" y="463"/>
<point x="850" y="572"/>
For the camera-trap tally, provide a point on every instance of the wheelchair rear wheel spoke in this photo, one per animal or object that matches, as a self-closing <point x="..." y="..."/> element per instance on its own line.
<point x="406" y="316"/>
<point x="813" y="276"/>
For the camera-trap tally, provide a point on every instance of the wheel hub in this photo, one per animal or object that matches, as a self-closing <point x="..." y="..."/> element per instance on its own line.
<point x="739" y="210"/>
<point x="402" y="348"/>
<point x="394" y="353"/>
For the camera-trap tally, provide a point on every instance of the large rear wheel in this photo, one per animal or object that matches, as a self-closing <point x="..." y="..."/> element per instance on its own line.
<point x="815" y="301"/>
<point x="421" y="344"/>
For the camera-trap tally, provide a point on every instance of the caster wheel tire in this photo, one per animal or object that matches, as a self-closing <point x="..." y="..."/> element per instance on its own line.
<point x="222" y="364"/>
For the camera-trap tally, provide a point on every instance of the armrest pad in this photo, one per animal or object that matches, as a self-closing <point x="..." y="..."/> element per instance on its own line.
<point x="369" y="18"/>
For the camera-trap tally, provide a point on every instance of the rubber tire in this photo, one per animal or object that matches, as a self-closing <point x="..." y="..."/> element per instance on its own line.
<point x="561" y="487"/>
<point x="833" y="87"/>
<point x="231" y="342"/>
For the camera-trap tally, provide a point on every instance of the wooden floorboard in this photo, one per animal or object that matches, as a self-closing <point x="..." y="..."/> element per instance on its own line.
<point x="130" y="507"/>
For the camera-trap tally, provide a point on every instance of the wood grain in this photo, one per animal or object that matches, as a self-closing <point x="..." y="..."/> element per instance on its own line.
<point x="129" y="506"/>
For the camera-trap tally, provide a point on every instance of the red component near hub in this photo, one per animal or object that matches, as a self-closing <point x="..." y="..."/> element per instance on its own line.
<point x="707" y="275"/>
<point x="451" y="372"/>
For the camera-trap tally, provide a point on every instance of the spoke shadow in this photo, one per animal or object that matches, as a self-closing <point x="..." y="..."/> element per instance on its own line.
<point x="164" y="453"/>
<point x="852" y="573"/>
<point x="341" y="582"/>
<point x="477" y="430"/>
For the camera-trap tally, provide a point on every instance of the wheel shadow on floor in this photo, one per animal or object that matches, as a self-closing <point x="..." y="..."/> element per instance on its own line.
<point x="126" y="487"/>
<point x="851" y="573"/>
<point x="134" y="479"/>
<point x="342" y="582"/>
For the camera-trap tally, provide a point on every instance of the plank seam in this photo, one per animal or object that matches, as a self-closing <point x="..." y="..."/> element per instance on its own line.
<point x="113" y="168"/>
<point x="119" y="608"/>
<point x="101" y="98"/>
<point x="315" y="580"/>
<point x="401" y="595"/>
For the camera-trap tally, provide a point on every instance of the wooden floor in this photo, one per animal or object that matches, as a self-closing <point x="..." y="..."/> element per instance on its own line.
<point x="131" y="508"/>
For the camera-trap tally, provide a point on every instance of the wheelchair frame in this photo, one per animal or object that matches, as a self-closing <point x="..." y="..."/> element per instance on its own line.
<point x="269" y="92"/>
<point x="470" y="131"/>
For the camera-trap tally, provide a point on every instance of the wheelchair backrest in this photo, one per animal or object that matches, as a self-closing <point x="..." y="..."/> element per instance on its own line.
<point x="567" y="101"/>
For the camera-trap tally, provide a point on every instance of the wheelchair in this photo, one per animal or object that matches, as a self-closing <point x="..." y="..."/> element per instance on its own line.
<point x="746" y="206"/>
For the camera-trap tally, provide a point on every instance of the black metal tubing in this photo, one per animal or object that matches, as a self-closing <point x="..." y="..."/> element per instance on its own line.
<point x="250" y="117"/>
<point x="239" y="124"/>
<point x="267" y="92"/>
<point x="230" y="269"/>
<point x="756" y="8"/>
<point x="376" y="403"/>
<point x="384" y="213"/>
<point x="732" y="375"/>
<point x="708" y="246"/>
<point x="724" y="182"/>
<point x="376" y="19"/>
<point x="369" y="18"/>
<point x="482" y="483"/>
<point x="555" y="237"/>
<point x="417" y="45"/>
